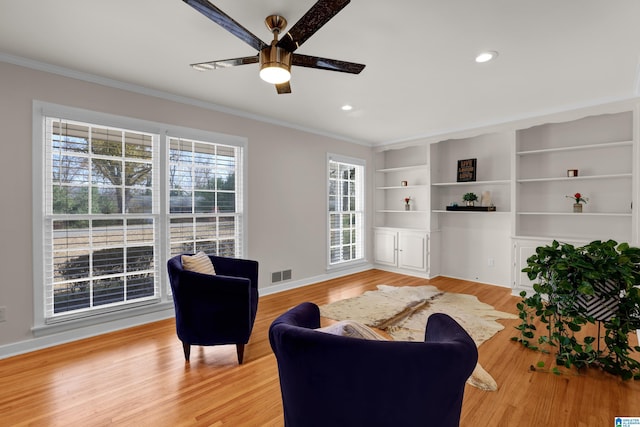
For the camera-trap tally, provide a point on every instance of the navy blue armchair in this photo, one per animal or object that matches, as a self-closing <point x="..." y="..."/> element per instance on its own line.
<point x="215" y="309"/>
<point x="332" y="380"/>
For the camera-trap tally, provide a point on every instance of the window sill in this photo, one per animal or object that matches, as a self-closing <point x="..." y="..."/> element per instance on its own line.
<point x="125" y="317"/>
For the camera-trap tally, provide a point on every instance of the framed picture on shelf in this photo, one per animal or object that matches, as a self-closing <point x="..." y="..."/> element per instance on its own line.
<point x="467" y="170"/>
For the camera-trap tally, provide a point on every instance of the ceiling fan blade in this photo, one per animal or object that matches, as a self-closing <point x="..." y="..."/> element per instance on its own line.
<point x="225" y="63"/>
<point x="283" y="88"/>
<point x="326" y="64"/>
<point x="226" y="22"/>
<point x="319" y="14"/>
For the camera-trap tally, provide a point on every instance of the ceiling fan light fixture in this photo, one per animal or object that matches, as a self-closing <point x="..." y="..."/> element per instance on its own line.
<point x="275" y="65"/>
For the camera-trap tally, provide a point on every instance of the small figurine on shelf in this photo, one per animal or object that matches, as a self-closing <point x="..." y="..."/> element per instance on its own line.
<point x="407" y="206"/>
<point x="470" y="198"/>
<point x="578" y="199"/>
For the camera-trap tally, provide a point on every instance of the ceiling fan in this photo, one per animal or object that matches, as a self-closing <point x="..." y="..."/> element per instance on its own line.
<point x="277" y="58"/>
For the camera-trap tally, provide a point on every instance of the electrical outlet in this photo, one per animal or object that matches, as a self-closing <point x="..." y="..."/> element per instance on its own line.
<point x="491" y="262"/>
<point x="3" y="314"/>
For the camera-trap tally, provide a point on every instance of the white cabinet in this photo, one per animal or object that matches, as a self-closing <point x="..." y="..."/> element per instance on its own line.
<point x="523" y="248"/>
<point x="403" y="249"/>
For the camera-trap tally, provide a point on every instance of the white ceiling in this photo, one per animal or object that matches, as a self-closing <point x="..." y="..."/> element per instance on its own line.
<point x="420" y="79"/>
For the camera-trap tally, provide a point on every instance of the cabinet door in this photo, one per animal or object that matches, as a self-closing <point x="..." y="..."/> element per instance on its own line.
<point x="524" y="250"/>
<point x="385" y="247"/>
<point x="412" y="250"/>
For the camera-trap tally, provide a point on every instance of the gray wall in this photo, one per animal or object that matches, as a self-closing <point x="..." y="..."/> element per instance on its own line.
<point x="286" y="188"/>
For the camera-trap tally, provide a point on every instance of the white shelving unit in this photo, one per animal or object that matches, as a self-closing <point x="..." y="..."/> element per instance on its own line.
<point x="524" y="166"/>
<point x="393" y="167"/>
<point x="401" y="237"/>
<point x="602" y="147"/>
<point x="470" y="242"/>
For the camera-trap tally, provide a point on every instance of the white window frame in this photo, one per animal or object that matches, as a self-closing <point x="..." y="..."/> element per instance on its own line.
<point x="44" y="325"/>
<point x="360" y="211"/>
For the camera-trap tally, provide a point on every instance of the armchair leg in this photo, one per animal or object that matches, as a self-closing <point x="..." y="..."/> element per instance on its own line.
<point x="240" y="351"/>
<point x="187" y="350"/>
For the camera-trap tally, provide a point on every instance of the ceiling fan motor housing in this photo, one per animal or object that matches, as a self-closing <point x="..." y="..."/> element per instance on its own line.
<point x="274" y="56"/>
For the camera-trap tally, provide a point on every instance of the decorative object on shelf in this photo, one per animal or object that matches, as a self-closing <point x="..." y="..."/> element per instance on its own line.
<point x="486" y="198"/>
<point x="572" y="172"/>
<point x="579" y="199"/>
<point x="577" y="287"/>
<point x="407" y="206"/>
<point x="467" y="170"/>
<point x="470" y="199"/>
<point x="403" y="183"/>
<point x="455" y="208"/>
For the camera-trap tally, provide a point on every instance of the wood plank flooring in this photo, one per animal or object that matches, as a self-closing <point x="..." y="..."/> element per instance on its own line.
<point x="138" y="377"/>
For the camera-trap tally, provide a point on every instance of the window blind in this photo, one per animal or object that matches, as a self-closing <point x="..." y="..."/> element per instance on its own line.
<point x="100" y="219"/>
<point x="346" y="210"/>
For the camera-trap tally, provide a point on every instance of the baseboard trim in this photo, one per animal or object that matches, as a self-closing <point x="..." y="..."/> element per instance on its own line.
<point x="88" y="331"/>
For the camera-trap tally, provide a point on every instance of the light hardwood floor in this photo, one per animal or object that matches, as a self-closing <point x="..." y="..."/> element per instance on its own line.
<point x="138" y="377"/>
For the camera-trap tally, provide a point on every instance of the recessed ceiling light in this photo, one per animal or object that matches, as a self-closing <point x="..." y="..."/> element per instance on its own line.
<point x="346" y="107"/>
<point x="486" y="56"/>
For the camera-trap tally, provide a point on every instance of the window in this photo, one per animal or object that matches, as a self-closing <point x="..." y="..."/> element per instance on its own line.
<point x="107" y="204"/>
<point x="205" y="211"/>
<point x="346" y="210"/>
<point x="100" y="217"/>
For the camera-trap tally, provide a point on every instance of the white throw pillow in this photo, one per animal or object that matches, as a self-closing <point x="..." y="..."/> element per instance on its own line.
<point x="199" y="263"/>
<point x="350" y="328"/>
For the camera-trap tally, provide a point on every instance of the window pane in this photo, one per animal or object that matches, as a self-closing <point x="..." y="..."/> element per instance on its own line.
<point x="108" y="291"/>
<point x="108" y="232"/>
<point x="70" y="265"/>
<point x="70" y="137"/>
<point x="68" y="169"/>
<point x="138" y="145"/>
<point x="106" y="200"/>
<point x="140" y="231"/>
<point x="140" y="258"/>
<point x="226" y="202"/>
<point x="137" y="174"/>
<point x="70" y="199"/>
<point x="106" y="142"/>
<point x="138" y="201"/>
<point x="140" y="286"/>
<point x="210" y="247"/>
<point x="71" y="296"/>
<point x="206" y="228"/>
<point x="205" y="201"/>
<point x="108" y="261"/>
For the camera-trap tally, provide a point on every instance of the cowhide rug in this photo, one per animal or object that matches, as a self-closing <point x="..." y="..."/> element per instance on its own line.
<point x="402" y="312"/>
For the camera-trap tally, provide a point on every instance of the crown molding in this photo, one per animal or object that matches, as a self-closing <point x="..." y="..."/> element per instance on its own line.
<point x="130" y="87"/>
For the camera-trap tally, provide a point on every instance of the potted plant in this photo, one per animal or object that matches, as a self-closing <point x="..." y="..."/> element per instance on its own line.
<point x="469" y="198"/>
<point x="407" y="206"/>
<point x="581" y="286"/>
<point x="578" y="200"/>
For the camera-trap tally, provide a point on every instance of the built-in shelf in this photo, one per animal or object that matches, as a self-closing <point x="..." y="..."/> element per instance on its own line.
<point x="575" y="147"/>
<point x="578" y="178"/>
<point x="577" y="213"/>
<point x="400" y="211"/>
<point x="402" y="169"/>
<point x="401" y="187"/>
<point x="473" y="212"/>
<point x="453" y="184"/>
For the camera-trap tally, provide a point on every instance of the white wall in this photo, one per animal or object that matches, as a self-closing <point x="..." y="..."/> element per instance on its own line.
<point x="286" y="188"/>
